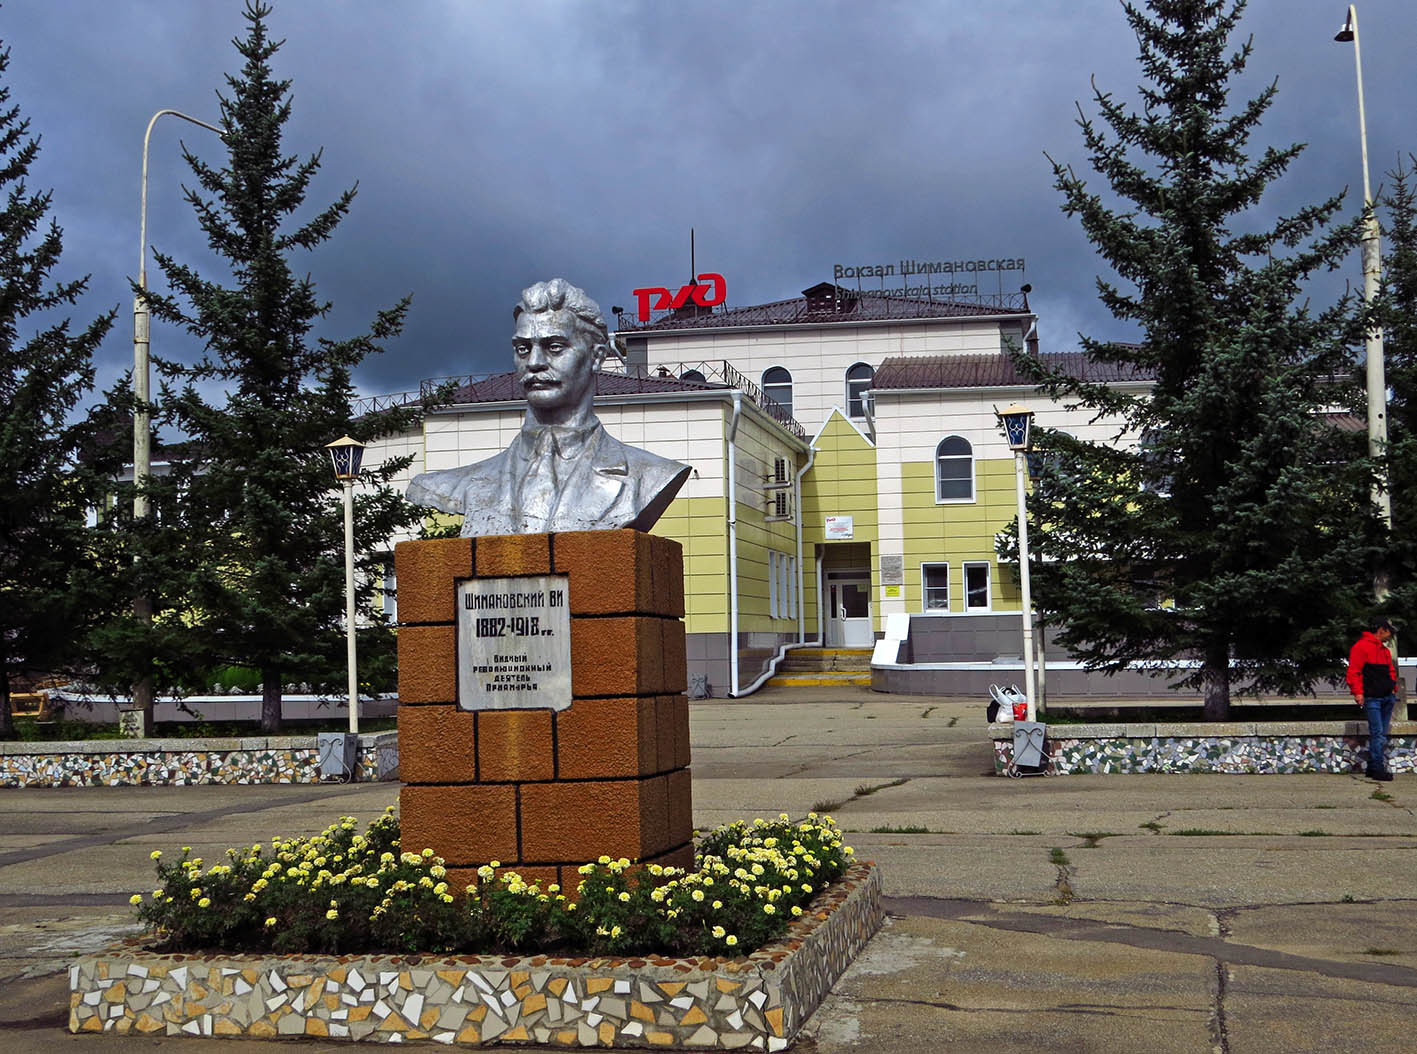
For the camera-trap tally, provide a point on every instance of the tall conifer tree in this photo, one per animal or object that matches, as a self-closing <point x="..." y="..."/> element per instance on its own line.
<point x="45" y="372"/>
<point x="1399" y="321"/>
<point x="1235" y="509"/>
<point x="253" y="505"/>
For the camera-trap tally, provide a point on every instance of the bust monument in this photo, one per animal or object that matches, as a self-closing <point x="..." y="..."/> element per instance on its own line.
<point x="563" y="471"/>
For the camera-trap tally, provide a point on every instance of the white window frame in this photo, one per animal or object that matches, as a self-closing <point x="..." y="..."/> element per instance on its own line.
<point x="772" y="584"/>
<point x="925" y="608"/>
<point x="988" y="585"/>
<point x="791" y="390"/>
<point x="973" y="471"/>
<point x="847" y="382"/>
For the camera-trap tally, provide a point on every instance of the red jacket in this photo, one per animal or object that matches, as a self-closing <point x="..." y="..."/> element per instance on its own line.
<point x="1369" y="651"/>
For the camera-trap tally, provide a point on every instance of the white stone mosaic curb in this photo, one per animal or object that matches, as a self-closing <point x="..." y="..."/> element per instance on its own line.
<point x="758" y="1002"/>
<point x="184" y="762"/>
<point x="1240" y="748"/>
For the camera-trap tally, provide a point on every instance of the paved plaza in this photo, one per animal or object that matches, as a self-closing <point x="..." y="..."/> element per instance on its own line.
<point x="1078" y="913"/>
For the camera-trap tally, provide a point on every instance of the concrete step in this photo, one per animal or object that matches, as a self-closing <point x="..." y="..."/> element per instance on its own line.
<point x="820" y="679"/>
<point x="826" y="660"/>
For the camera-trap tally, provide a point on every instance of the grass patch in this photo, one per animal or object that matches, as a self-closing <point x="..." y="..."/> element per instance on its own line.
<point x="1017" y="830"/>
<point x="1323" y="806"/>
<point x="1380" y="795"/>
<point x="1058" y="858"/>
<point x="1381" y="951"/>
<point x="953" y="721"/>
<point x="827" y="806"/>
<point x="1201" y="832"/>
<point x="1348" y="898"/>
<point x="1091" y="838"/>
<point x="910" y="828"/>
<point x="1150" y="825"/>
<point x="928" y="711"/>
<point x="866" y="789"/>
<point x="1314" y="834"/>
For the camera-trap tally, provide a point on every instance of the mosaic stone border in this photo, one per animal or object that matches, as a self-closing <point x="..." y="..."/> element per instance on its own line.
<point x="185" y="762"/>
<point x="1252" y="748"/>
<point x="758" y="1002"/>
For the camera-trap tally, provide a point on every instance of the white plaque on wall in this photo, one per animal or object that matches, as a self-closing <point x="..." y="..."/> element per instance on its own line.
<point x="892" y="571"/>
<point x="839" y="529"/>
<point x="514" y="643"/>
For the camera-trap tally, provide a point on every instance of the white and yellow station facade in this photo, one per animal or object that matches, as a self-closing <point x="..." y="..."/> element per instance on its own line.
<point x="848" y="465"/>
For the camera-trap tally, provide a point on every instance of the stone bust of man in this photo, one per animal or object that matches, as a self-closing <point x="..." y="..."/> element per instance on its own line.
<point x="563" y="471"/>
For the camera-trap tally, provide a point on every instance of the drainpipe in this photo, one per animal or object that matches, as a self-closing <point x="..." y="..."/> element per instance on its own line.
<point x="733" y="545"/>
<point x="797" y="505"/>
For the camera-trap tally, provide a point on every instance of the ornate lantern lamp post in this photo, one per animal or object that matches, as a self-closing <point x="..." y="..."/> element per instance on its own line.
<point x="346" y="455"/>
<point x="1018" y="432"/>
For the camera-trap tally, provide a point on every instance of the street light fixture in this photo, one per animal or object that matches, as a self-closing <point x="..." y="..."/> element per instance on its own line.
<point x="142" y="699"/>
<point x="1018" y="432"/>
<point x="1372" y="275"/>
<point x="346" y="455"/>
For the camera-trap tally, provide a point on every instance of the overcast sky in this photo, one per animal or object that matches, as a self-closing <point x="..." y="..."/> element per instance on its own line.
<point x="497" y="143"/>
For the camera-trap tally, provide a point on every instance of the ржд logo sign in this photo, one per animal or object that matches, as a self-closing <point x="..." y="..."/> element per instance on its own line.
<point x="708" y="291"/>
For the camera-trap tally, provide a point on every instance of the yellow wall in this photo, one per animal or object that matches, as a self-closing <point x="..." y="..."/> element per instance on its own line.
<point x="700" y="525"/>
<point x="958" y="533"/>
<point x="842" y="482"/>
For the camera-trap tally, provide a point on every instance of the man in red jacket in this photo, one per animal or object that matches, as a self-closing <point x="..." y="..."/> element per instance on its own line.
<point x="1372" y="678"/>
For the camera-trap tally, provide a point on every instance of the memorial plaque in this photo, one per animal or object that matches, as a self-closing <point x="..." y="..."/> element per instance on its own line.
<point x="892" y="572"/>
<point x="514" y="643"/>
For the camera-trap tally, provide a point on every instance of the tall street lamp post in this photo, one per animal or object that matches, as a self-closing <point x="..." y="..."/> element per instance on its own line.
<point x="1018" y="428"/>
<point x="1372" y="275"/>
<point x="142" y="700"/>
<point x="346" y="455"/>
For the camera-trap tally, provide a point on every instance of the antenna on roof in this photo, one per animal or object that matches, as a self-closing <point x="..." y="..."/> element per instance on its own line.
<point x="693" y="268"/>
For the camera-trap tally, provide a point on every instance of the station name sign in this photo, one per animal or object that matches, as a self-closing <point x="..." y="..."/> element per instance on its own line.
<point x="970" y="270"/>
<point x="514" y="643"/>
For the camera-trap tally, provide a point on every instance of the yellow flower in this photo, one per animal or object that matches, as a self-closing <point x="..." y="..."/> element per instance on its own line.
<point x="624" y="898"/>
<point x="768" y="909"/>
<point x="719" y="931"/>
<point x="156" y="854"/>
<point x="796" y="910"/>
<point x="158" y="894"/>
<point x="698" y="894"/>
<point x="205" y="902"/>
<point x="135" y="899"/>
<point x="332" y="914"/>
<point x="271" y="921"/>
<point x="428" y="852"/>
<point x="730" y="940"/>
<point x="717" y="904"/>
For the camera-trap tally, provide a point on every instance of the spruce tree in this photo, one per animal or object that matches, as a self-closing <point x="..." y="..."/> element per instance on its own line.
<point x="249" y="519"/>
<point x="1240" y="510"/>
<point x="1398" y="316"/>
<point x="46" y="371"/>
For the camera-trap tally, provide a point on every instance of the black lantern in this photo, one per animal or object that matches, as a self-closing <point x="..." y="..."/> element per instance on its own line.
<point x="1018" y="426"/>
<point x="346" y="454"/>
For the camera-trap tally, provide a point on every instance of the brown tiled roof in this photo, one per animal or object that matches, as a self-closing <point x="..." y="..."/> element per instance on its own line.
<point x="824" y="303"/>
<point x="503" y="387"/>
<point x="994" y="370"/>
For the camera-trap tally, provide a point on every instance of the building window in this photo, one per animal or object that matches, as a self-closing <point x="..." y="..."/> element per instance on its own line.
<point x="954" y="470"/>
<point x="777" y="386"/>
<point x="858" y="383"/>
<point x="976" y="587"/>
<point x="782" y="597"/>
<point x="935" y="587"/>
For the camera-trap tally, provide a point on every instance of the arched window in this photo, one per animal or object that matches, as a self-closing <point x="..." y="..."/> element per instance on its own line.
<point x="858" y="382"/>
<point x="954" y="470"/>
<point x="777" y="386"/>
<point x="693" y="375"/>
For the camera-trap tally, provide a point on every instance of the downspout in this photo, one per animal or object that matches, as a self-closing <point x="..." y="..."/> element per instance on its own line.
<point x="733" y="545"/>
<point x="797" y="505"/>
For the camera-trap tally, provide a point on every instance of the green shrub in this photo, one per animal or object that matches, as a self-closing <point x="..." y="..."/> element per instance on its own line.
<point x="342" y="892"/>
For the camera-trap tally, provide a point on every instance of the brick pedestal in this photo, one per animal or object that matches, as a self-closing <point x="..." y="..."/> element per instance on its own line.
<point x="545" y="791"/>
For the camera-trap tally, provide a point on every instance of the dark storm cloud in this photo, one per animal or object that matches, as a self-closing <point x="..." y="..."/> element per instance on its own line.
<point x="498" y="143"/>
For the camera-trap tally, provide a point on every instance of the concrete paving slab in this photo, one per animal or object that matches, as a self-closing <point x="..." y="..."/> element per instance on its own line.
<point x="1357" y="932"/>
<point x="1270" y="1010"/>
<point x="930" y="984"/>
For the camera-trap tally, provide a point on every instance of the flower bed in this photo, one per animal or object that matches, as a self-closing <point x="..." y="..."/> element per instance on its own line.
<point x="602" y="986"/>
<point x="756" y="1002"/>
